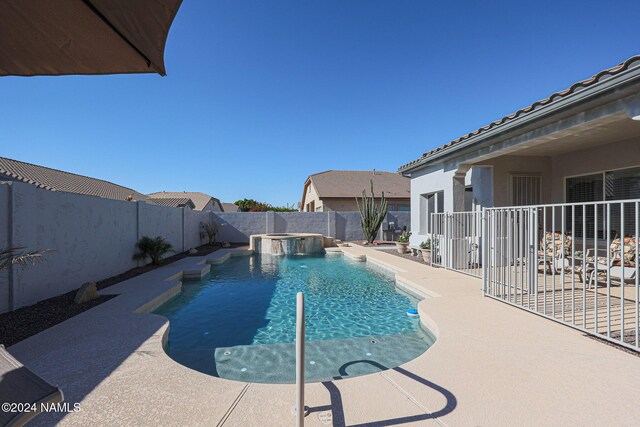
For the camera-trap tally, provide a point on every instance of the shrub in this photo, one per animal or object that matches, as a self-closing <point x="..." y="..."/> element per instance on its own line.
<point x="426" y="244"/>
<point x="154" y="248"/>
<point x="211" y="230"/>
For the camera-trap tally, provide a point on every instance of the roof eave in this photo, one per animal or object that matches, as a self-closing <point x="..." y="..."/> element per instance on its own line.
<point x="565" y="102"/>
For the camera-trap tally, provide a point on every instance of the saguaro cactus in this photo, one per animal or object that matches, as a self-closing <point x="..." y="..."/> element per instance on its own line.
<point x="371" y="216"/>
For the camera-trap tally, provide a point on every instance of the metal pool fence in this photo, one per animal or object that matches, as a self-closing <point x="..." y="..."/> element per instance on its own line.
<point x="575" y="263"/>
<point x="456" y="241"/>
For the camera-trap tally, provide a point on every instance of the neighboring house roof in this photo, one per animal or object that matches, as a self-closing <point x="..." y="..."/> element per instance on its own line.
<point x="349" y="184"/>
<point x="230" y="207"/>
<point x="57" y="180"/>
<point x="631" y="63"/>
<point x="200" y="200"/>
<point x="173" y="202"/>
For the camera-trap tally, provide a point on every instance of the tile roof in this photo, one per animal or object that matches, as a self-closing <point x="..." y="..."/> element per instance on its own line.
<point x="342" y="184"/>
<point x="632" y="62"/>
<point x="172" y="202"/>
<point x="57" y="180"/>
<point x="230" y="207"/>
<point x="199" y="199"/>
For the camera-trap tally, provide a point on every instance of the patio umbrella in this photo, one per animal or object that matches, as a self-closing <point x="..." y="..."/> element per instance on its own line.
<point x="57" y="37"/>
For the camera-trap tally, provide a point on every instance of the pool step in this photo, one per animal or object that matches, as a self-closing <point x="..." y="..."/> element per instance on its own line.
<point x="325" y="360"/>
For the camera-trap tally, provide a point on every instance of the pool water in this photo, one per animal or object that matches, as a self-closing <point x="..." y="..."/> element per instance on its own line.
<point x="239" y="321"/>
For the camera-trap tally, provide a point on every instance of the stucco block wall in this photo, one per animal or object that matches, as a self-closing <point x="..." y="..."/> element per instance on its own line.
<point x="238" y="226"/>
<point x="192" y="220"/>
<point x="4" y="243"/>
<point x="92" y="238"/>
<point x="161" y="221"/>
<point x="95" y="238"/>
<point x="301" y="222"/>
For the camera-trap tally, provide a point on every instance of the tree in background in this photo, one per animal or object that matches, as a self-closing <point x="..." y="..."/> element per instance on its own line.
<point x="250" y="205"/>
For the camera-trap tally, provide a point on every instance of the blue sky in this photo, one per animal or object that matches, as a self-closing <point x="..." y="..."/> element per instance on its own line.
<point x="260" y="94"/>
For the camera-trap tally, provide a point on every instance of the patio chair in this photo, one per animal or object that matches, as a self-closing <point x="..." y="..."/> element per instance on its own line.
<point x="621" y="266"/>
<point x="550" y="251"/>
<point x="19" y="385"/>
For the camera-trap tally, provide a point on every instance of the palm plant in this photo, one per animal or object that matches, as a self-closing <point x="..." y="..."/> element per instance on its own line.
<point x="154" y="248"/>
<point x="371" y="215"/>
<point x="17" y="256"/>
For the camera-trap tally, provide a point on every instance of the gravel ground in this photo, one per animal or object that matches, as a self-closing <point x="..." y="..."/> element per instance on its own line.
<point x="24" y="322"/>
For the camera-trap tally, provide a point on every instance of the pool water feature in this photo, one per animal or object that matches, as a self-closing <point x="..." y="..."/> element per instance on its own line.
<point x="239" y="321"/>
<point x="287" y="243"/>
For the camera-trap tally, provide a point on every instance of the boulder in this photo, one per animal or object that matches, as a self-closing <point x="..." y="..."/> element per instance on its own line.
<point x="87" y="292"/>
<point x="193" y="251"/>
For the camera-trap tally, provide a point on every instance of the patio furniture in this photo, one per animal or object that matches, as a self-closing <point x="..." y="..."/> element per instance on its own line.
<point x="20" y="386"/>
<point x="551" y="253"/>
<point x="621" y="264"/>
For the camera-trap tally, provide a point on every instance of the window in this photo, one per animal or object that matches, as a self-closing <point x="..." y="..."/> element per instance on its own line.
<point x="621" y="184"/>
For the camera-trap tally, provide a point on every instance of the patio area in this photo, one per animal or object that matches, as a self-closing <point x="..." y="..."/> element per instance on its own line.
<point x="110" y="360"/>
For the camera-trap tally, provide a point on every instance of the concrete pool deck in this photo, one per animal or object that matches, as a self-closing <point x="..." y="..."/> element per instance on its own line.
<point x="491" y="365"/>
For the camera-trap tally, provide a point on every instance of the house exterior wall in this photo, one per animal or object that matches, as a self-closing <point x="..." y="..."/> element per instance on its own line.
<point x="212" y="206"/>
<point x="617" y="155"/>
<point x="311" y="196"/>
<point x="427" y="181"/>
<point x="350" y="205"/>
<point x="505" y="166"/>
<point x="92" y="238"/>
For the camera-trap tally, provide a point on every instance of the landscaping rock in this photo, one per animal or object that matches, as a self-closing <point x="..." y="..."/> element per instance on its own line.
<point x="87" y="292"/>
<point x="193" y="251"/>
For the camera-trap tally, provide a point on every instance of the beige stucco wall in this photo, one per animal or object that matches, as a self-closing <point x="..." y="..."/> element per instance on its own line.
<point x="311" y="195"/>
<point x="617" y="155"/>
<point x="346" y="205"/>
<point x="505" y="166"/>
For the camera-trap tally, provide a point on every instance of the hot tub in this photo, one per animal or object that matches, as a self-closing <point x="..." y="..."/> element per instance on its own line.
<point x="287" y="243"/>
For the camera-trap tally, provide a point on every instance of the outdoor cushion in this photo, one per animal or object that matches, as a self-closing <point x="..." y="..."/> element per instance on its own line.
<point x="551" y="244"/>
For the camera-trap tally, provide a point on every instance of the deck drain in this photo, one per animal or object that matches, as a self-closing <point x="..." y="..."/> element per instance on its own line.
<point x="226" y="353"/>
<point x="373" y="341"/>
<point x="325" y="418"/>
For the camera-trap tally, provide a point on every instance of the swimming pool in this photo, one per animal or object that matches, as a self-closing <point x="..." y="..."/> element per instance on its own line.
<point x="239" y="321"/>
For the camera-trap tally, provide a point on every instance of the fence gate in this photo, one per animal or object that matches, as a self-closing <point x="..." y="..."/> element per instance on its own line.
<point x="456" y="242"/>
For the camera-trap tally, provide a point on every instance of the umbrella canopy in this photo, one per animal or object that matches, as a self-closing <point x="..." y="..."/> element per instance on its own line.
<point x="56" y="37"/>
